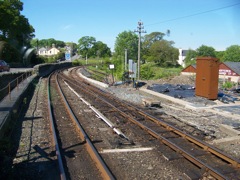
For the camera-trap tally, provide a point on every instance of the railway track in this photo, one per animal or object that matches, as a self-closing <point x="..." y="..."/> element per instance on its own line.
<point x="207" y="160"/>
<point x="98" y="75"/>
<point x="76" y="154"/>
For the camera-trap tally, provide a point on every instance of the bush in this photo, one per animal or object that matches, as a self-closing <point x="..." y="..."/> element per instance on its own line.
<point x="77" y="63"/>
<point x="227" y="85"/>
<point x="165" y="72"/>
<point x="147" y="71"/>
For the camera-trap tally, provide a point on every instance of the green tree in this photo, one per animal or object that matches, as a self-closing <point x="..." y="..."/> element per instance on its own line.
<point x="101" y="50"/>
<point x="9" y="53"/>
<point x="47" y="43"/>
<point x="163" y="53"/>
<point x="14" y="27"/>
<point x="85" y="45"/>
<point x="190" y="57"/>
<point x="126" y="40"/>
<point x="148" y="41"/>
<point x="219" y="55"/>
<point x="232" y="53"/>
<point x="206" y="51"/>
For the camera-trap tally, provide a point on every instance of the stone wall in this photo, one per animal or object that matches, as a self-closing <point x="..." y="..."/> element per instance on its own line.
<point x="45" y="69"/>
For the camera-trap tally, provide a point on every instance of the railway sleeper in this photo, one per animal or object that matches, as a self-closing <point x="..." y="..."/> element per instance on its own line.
<point x="190" y="170"/>
<point x="194" y="173"/>
<point x="170" y="135"/>
<point x="227" y="170"/>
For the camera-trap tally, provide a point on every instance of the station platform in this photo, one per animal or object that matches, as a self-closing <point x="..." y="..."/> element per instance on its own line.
<point x="9" y="106"/>
<point x="231" y="110"/>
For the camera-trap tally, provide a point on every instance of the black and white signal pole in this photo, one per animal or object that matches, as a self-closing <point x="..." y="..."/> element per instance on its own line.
<point x="139" y="30"/>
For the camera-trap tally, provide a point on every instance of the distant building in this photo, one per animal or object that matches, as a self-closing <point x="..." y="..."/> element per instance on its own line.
<point x="230" y="71"/>
<point x="182" y="55"/>
<point x="48" y="51"/>
<point x="227" y="70"/>
<point x="189" y="70"/>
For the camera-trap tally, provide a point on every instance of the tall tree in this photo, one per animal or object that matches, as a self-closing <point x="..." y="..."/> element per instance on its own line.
<point x="148" y="41"/>
<point x="14" y="27"/>
<point x="85" y="45"/>
<point x="206" y="51"/>
<point x="126" y="40"/>
<point x="232" y="53"/>
<point x="101" y="50"/>
<point x="163" y="53"/>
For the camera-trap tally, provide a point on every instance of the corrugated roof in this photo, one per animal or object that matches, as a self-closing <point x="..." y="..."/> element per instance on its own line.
<point x="235" y="66"/>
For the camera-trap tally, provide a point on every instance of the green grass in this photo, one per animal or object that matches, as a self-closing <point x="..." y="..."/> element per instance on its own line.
<point x="152" y="71"/>
<point x="149" y="71"/>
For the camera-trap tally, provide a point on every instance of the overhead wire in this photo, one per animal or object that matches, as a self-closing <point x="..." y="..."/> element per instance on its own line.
<point x="195" y="14"/>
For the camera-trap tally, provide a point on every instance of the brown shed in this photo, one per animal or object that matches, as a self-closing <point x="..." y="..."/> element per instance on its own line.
<point x="207" y="77"/>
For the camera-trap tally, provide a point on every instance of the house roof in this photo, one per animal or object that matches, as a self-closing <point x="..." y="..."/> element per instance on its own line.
<point x="42" y="49"/>
<point x="184" y="52"/>
<point x="46" y="49"/>
<point x="235" y="66"/>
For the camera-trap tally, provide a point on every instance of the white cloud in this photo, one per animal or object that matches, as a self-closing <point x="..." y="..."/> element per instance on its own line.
<point x="69" y="26"/>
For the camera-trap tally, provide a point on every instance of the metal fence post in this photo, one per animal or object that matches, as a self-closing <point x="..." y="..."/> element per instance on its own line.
<point x="9" y="90"/>
<point x="17" y="83"/>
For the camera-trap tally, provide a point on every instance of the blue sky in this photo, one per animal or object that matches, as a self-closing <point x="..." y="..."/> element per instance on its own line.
<point x="206" y="22"/>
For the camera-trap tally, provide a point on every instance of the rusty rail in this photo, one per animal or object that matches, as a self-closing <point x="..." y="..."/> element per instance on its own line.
<point x="106" y="173"/>
<point x="55" y="141"/>
<point x="206" y="147"/>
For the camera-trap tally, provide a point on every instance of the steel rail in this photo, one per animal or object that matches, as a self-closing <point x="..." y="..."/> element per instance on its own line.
<point x="167" y="142"/>
<point x="235" y="162"/>
<point x="106" y="173"/>
<point x="57" y="149"/>
<point x="99" y="114"/>
<point x="205" y="146"/>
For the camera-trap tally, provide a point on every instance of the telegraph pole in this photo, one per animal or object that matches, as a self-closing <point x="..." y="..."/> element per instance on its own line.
<point x="125" y="67"/>
<point x="139" y="30"/>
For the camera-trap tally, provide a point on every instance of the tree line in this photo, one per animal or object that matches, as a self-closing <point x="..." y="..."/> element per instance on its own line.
<point x="232" y="54"/>
<point x="15" y="30"/>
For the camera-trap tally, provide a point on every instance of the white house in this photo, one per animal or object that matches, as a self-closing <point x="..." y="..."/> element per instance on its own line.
<point x="182" y="55"/>
<point x="48" y="51"/>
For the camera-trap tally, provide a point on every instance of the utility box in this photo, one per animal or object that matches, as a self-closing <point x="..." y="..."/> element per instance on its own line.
<point x="207" y="71"/>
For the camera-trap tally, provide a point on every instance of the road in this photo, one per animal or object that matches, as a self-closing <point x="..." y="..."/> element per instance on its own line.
<point x="20" y="69"/>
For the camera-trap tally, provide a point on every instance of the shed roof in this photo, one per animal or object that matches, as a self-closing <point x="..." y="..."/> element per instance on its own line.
<point x="235" y="66"/>
<point x="193" y="65"/>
